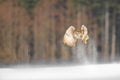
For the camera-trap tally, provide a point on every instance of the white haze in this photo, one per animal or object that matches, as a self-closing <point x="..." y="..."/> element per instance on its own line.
<point x="84" y="72"/>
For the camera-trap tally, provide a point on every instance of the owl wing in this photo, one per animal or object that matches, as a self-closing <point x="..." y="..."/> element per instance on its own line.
<point x="84" y="32"/>
<point x="70" y="31"/>
<point x="68" y="37"/>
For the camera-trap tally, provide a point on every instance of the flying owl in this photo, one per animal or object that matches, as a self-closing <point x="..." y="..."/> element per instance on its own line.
<point x="72" y="35"/>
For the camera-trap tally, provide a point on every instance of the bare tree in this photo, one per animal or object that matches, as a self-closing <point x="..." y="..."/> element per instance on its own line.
<point x="106" y="49"/>
<point x="113" y="46"/>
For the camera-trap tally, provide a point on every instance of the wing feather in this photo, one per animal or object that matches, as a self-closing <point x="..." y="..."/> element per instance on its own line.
<point x="68" y="37"/>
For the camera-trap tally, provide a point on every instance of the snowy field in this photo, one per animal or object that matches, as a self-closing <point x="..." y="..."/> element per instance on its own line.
<point x="83" y="72"/>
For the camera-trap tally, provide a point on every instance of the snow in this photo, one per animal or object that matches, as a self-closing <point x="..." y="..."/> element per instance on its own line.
<point x="84" y="72"/>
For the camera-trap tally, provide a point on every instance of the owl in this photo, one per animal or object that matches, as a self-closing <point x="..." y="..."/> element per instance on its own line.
<point x="72" y="35"/>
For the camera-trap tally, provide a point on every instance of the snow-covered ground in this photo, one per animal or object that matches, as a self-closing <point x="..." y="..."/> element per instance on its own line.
<point x="83" y="72"/>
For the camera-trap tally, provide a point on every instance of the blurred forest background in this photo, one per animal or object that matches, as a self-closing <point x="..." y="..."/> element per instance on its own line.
<point x="32" y="31"/>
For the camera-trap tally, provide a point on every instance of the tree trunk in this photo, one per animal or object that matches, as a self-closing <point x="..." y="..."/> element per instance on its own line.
<point x="52" y="33"/>
<point x="106" y="48"/>
<point x="113" y="40"/>
<point x="79" y="21"/>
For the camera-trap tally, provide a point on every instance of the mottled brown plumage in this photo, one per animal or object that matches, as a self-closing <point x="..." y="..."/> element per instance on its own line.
<point x="72" y="35"/>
